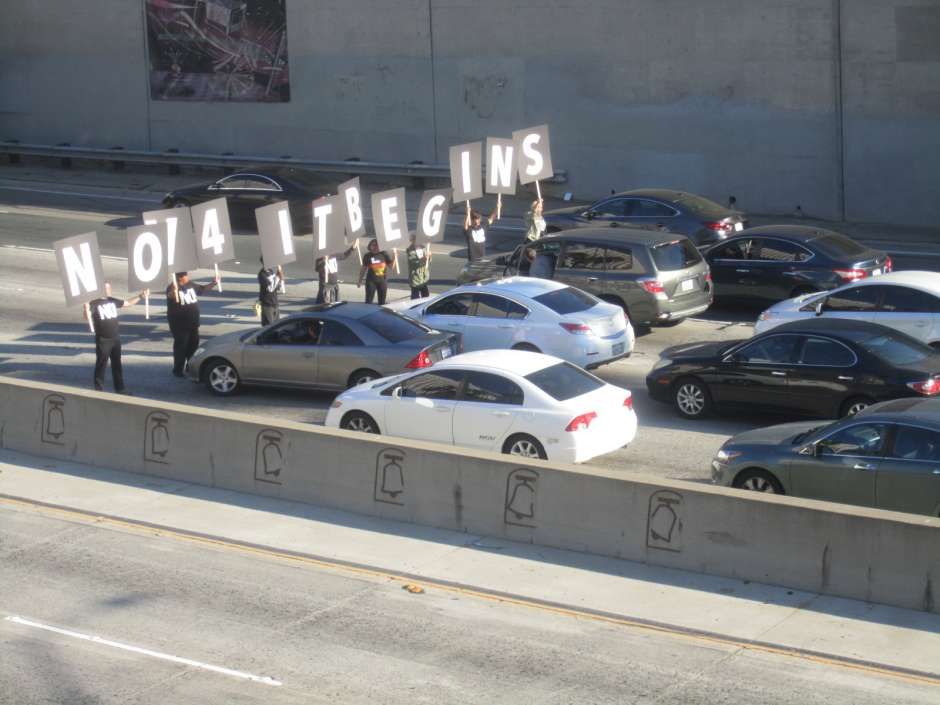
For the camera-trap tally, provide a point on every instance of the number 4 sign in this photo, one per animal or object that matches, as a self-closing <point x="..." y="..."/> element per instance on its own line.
<point x="213" y="234"/>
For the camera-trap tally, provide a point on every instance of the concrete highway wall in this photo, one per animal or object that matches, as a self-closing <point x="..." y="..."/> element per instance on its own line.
<point x="830" y="104"/>
<point x="853" y="552"/>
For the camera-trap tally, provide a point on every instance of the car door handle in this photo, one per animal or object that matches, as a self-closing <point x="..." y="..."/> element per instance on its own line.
<point x="506" y="326"/>
<point x="594" y="279"/>
<point x="500" y="413"/>
<point x="920" y="324"/>
<point x="309" y="354"/>
<point x="742" y="271"/>
<point x="777" y="373"/>
<point x="842" y="378"/>
<point x="442" y="409"/>
<point x="863" y="466"/>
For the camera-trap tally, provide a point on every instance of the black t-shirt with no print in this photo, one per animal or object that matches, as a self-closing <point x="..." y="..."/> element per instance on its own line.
<point x="185" y="312"/>
<point x="104" y="316"/>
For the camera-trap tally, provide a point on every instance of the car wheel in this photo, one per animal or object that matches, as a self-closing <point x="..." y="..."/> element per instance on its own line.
<point x="524" y="446"/>
<point x="528" y="347"/>
<point x="854" y="405"/>
<point x="801" y="290"/>
<point x="757" y="480"/>
<point x="361" y="377"/>
<point x="222" y="378"/>
<point x="359" y="421"/>
<point x="691" y="398"/>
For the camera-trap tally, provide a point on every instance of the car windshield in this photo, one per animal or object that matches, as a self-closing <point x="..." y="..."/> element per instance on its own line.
<point x="567" y="300"/>
<point x="895" y="350"/>
<point x="564" y="381"/>
<point x="393" y="327"/>
<point x="678" y="254"/>
<point x="702" y="207"/>
<point x="837" y="245"/>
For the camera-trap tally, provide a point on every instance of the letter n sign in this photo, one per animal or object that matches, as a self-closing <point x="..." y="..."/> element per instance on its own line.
<point x="79" y="263"/>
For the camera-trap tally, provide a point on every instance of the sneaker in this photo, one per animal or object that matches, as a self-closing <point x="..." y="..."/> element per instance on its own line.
<point x="177" y="374"/>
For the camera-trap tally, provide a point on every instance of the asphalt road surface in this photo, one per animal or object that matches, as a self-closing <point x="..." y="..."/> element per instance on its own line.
<point x="95" y="614"/>
<point x="42" y="340"/>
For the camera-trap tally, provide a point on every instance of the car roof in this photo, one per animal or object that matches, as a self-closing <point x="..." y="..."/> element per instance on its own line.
<point x="928" y="281"/>
<point x="663" y="194"/>
<point x="520" y="362"/>
<point x="803" y="233"/>
<point x="846" y="327"/>
<point x="343" y="309"/>
<point x="529" y="287"/>
<point x="616" y="236"/>
<point x="911" y="409"/>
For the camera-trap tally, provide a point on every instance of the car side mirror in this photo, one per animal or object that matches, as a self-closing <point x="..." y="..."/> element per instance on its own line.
<point x="818" y="307"/>
<point x="213" y="187"/>
<point x="733" y="357"/>
<point x="589" y="215"/>
<point x="808" y="450"/>
<point x="397" y="392"/>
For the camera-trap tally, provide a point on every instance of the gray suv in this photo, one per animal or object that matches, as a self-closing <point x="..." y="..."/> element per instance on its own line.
<point x="657" y="277"/>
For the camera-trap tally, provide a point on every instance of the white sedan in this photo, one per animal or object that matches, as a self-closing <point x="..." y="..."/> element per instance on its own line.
<point x="510" y="401"/>
<point x="906" y="301"/>
<point x="524" y="313"/>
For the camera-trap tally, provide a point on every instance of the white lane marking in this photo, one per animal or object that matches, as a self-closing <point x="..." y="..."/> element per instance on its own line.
<point x="48" y="251"/>
<point x="105" y="196"/>
<point x="266" y="680"/>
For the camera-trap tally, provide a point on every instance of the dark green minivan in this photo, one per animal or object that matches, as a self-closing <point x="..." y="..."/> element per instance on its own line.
<point x="657" y="277"/>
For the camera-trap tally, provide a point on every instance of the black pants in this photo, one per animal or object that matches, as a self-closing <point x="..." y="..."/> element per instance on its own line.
<point x="419" y="292"/>
<point x="377" y="286"/>
<point x="108" y="349"/>
<point x="185" y="342"/>
<point x="269" y="314"/>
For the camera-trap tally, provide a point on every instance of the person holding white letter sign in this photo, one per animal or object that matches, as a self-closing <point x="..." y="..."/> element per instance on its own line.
<point x="475" y="232"/>
<point x="103" y="314"/>
<point x="183" y="317"/>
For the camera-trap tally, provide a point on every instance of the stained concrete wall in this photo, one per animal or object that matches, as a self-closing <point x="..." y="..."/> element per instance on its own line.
<point x="832" y="549"/>
<point x="830" y="104"/>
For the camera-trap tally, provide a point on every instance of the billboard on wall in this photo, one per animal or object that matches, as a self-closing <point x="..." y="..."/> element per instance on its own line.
<point x="218" y="50"/>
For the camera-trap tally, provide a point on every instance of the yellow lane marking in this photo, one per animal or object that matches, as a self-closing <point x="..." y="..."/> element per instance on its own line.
<point x="408" y="583"/>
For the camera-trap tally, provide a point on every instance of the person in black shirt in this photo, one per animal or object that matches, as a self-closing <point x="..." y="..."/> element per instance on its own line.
<point x="375" y="271"/>
<point x="104" y="318"/>
<point x="475" y="232"/>
<point x="328" y="276"/>
<point x="182" y="313"/>
<point x="270" y="284"/>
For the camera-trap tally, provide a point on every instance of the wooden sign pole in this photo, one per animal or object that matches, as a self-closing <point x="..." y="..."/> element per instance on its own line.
<point x="218" y="278"/>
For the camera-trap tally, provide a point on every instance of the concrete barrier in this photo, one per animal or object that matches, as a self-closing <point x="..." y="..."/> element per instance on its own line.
<point x="854" y="552"/>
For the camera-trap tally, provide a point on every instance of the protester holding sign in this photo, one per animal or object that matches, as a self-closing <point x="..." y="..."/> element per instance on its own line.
<point x="534" y="222"/>
<point x="375" y="271"/>
<point x="475" y="232"/>
<point x="328" y="276"/>
<point x="104" y="319"/>
<point x="419" y="273"/>
<point x="270" y="285"/>
<point x="183" y="317"/>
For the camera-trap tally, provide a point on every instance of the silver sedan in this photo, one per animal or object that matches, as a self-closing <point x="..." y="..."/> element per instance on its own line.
<point x="330" y="346"/>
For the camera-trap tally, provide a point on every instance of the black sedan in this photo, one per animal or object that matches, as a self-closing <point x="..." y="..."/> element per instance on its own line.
<point x="822" y="368"/>
<point x="701" y="220"/>
<point x="777" y="262"/>
<point x="250" y="189"/>
<point x="887" y="456"/>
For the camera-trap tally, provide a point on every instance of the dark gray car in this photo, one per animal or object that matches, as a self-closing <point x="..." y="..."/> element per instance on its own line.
<point x="701" y="220"/>
<point x="886" y="456"/>
<point x="654" y="276"/>
<point x="330" y="346"/>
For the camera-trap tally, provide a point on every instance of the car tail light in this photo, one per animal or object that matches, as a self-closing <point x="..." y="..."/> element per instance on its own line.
<point x="928" y="387"/>
<point x="580" y="423"/>
<point x="719" y="227"/>
<point x="422" y="360"/>
<point x="888" y="264"/>
<point x="628" y="402"/>
<point x="851" y="275"/>
<point x="652" y="286"/>
<point x="708" y="276"/>
<point x="577" y="328"/>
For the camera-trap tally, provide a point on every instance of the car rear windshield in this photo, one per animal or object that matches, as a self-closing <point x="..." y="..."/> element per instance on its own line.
<point x="836" y="245"/>
<point x="702" y="207"/>
<point x="564" y="381"/>
<point x="896" y="350"/>
<point x="393" y="327"/>
<point x="675" y="255"/>
<point x="567" y="300"/>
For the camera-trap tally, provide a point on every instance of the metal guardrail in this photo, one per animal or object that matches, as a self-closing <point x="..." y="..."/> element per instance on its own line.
<point x="175" y="159"/>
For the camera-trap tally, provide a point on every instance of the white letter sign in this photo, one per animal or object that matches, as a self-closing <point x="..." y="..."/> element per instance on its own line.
<point x="146" y="256"/>
<point x="432" y="215"/>
<point x="276" y="232"/>
<point x="328" y="226"/>
<point x="534" y="154"/>
<point x="351" y="201"/>
<point x="466" y="175"/>
<point x="180" y="242"/>
<point x="79" y="263"/>
<point x="213" y="232"/>
<point x="390" y="219"/>
<point x="500" y="166"/>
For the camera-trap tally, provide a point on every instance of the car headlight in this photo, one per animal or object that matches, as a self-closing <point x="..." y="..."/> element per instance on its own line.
<point x="726" y="456"/>
<point x="199" y="351"/>
<point x="661" y="363"/>
<point x="767" y="315"/>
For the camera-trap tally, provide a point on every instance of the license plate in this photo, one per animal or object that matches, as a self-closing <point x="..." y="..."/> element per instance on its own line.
<point x="876" y="272"/>
<point x="445" y="352"/>
<point x="687" y="285"/>
<point x="738" y="227"/>
<point x="618" y="349"/>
